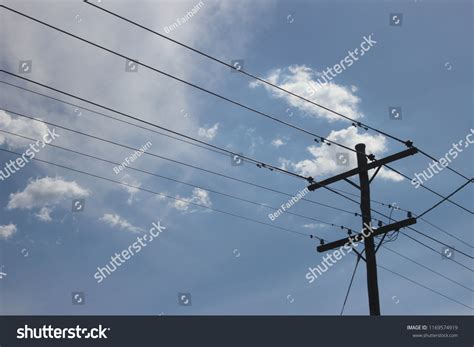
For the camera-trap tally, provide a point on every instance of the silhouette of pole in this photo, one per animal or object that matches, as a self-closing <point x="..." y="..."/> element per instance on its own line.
<point x="371" y="263"/>
<point x="362" y="171"/>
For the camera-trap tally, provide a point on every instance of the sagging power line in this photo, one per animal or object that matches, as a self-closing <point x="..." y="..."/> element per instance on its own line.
<point x="273" y="85"/>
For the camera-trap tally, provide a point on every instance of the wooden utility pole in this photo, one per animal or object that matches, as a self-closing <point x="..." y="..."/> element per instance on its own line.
<point x="370" y="261"/>
<point x="362" y="171"/>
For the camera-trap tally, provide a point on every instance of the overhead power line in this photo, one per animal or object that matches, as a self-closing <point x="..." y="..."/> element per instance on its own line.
<point x="423" y="286"/>
<point x="446" y="198"/>
<point x="350" y="285"/>
<point x="77" y="37"/>
<point x="431" y="190"/>
<point x="192" y="166"/>
<point x="435" y="251"/>
<point x="262" y="80"/>
<point x="322" y="139"/>
<point x="114" y="118"/>
<point x="225" y="154"/>
<point x="220" y="193"/>
<point x="173" y="160"/>
<point x="250" y="159"/>
<point x="342" y="227"/>
<point x="149" y="153"/>
<point x="427" y="268"/>
<point x="411" y="228"/>
<point x="419" y="232"/>
<point x="177" y="139"/>
<point x="258" y="163"/>
<point x="166" y="196"/>
<point x="237" y="103"/>
<point x="390" y="205"/>
<point x="444" y="231"/>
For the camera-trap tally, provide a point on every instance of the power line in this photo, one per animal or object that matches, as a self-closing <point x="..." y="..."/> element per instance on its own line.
<point x="114" y="118"/>
<point x="253" y="76"/>
<point x="441" y="243"/>
<point x="259" y="163"/>
<point x="435" y="251"/>
<point x="169" y="136"/>
<point x="178" y="162"/>
<point x="177" y="181"/>
<point x="423" y="286"/>
<point x="444" y="231"/>
<point x="427" y="268"/>
<point x="266" y="115"/>
<point x="213" y="191"/>
<point x="448" y="167"/>
<point x="167" y="196"/>
<point x="350" y="285"/>
<point x="172" y="197"/>
<point x="417" y="217"/>
<point x="113" y="52"/>
<point x="412" y="238"/>
<point x="409" y="280"/>
<point x="411" y="228"/>
<point x="102" y="114"/>
<point x="431" y="190"/>
<point x="446" y="198"/>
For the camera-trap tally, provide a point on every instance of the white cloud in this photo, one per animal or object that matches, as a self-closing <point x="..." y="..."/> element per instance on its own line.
<point x="44" y="214"/>
<point x="302" y="80"/>
<point x="127" y="179"/>
<point x="277" y="143"/>
<point x="199" y="196"/>
<point x="255" y="140"/>
<point x="46" y="191"/>
<point x="6" y="231"/>
<point x="161" y="197"/>
<point x="114" y="220"/>
<point x="25" y="127"/>
<point x="324" y="158"/>
<point x="209" y="133"/>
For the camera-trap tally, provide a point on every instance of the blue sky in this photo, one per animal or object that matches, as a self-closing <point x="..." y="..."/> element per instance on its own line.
<point x="228" y="265"/>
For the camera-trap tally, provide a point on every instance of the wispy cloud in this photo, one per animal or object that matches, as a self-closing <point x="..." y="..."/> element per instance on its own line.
<point x="114" y="220"/>
<point x="127" y="179"/>
<point x="199" y="196"/>
<point x="209" y="133"/>
<point x="278" y="142"/>
<point x="44" y="214"/>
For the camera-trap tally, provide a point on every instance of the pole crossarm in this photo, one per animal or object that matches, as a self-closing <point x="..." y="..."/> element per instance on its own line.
<point x="359" y="237"/>
<point x="375" y="164"/>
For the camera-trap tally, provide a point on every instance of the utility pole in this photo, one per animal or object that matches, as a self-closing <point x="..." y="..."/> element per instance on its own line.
<point x="362" y="171"/>
<point x="370" y="261"/>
